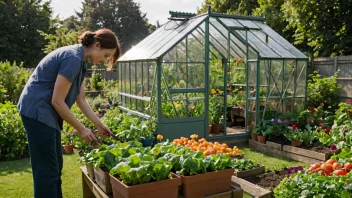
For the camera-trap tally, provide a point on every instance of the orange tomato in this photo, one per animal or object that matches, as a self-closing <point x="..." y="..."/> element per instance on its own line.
<point x="159" y="137"/>
<point x="331" y="161"/>
<point x="206" y="152"/>
<point x="224" y="145"/>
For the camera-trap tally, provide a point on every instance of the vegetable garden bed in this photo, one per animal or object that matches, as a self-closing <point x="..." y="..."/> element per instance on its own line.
<point x="295" y="153"/>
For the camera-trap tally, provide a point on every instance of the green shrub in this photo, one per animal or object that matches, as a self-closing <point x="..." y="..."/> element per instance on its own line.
<point x="13" y="138"/>
<point x="97" y="83"/>
<point x="13" y="78"/>
<point x="323" y="91"/>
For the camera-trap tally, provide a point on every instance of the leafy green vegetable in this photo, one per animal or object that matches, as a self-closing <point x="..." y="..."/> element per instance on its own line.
<point x="314" y="185"/>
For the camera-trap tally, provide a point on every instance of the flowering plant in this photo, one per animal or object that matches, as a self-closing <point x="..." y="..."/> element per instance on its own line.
<point x="215" y="108"/>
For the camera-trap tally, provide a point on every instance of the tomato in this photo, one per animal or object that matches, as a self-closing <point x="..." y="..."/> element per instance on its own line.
<point x="330" y="161"/>
<point x="327" y="167"/>
<point x="328" y="173"/>
<point x="314" y="167"/>
<point x="348" y="167"/>
<point x="336" y="165"/>
<point x="321" y="172"/>
<point x="339" y="172"/>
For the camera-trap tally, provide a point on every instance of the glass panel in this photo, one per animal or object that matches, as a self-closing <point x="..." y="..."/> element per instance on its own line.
<point x="301" y="78"/>
<point x="174" y="75"/>
<point x="252" y="54"/>
<point x="298" y="104"/>
<point x="170" y="56"/>
<point x="168" y="110"/>
<point x="181" y="52"/>
<point x="196" y="76"/>
<point x="139" y="68"/>
<point x="237" y="74"/>
<point x="281" y="41"/>
<point x="151" y="81"/>
<point x="196" y="51"/>
<point x="217" y="40"/>
<point x="289" y="78"/>
<point x="216" y="75"/>
<point x="174" y="37"/>
<point x="247" y="23"/>
<point x="263" y="50"/>
<point x="128" y="83"/>
<point x="275" y="77"/>
<point x="196" y="108"/>
<point x="287" y="105"/>
<point x="272" y="44"/>
<point x="252" y="82"/>
<point x="133" y="78"/>
<point x="230" y="22"/>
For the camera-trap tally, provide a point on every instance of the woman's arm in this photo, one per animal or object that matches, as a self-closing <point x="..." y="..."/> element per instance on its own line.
<point x="89" y="113"/>
<point x="61" y="88"/>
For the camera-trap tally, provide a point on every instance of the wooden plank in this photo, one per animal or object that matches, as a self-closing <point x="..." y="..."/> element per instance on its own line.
<point x="251" y="172"/>
<point x="252" y="189"/>
<point x="274" y="145"/>
<point x="265" y="149"/>
<point x="304" y="152"/>
<point x="91" y="189"/>
<point x="227" y="194"/>
<point x="237" y="191"/>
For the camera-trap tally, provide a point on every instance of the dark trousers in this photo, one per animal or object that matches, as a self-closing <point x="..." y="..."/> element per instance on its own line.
<point x="46" y="158"/>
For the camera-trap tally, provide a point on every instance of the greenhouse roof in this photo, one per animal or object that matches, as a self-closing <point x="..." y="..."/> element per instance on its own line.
<point x="264" y="40"/>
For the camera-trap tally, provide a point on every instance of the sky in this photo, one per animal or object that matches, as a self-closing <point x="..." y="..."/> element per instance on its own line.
<point x="155" y="9"/>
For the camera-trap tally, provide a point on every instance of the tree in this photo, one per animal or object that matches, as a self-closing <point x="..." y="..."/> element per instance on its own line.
<point x="62" y="37"/>
<point x="123" y="17"/>
<point x="20" y="21"/>
<point x="71" y="23"/>
<point x="323" y="26"/>
<point x="239" y="7"/>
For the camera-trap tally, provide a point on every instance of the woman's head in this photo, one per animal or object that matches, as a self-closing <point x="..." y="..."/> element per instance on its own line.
<point x="103" y="44"/>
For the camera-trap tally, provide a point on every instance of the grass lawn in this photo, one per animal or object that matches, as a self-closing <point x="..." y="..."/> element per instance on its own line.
<point x="271" y="162"/>
<point x="16" y="178"/>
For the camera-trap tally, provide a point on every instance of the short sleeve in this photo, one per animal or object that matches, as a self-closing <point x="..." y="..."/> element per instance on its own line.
<point x="70" y="67"/>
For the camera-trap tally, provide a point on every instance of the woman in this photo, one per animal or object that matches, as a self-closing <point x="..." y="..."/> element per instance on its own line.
<point x="55" y="85"/>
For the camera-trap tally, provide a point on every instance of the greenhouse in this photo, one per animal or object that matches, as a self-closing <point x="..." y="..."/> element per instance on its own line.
<point x="216" y="75"/>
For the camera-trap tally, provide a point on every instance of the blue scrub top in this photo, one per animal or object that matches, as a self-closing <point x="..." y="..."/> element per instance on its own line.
<point x="35" y="100"/>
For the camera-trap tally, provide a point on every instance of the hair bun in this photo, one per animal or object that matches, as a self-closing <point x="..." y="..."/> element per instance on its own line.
<point x="87" y="38"/>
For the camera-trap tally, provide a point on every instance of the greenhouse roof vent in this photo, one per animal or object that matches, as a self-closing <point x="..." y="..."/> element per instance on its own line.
<point x="180" y="16"/>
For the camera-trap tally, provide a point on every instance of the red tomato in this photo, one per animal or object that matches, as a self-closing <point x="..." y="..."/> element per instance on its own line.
<point x="336" y="165"/>
<point x="348" y="167"/>
<point x="339" y="172"/>
<point x="328" y="173"/>
<point x="321" y="172"/>
<point x="327" y="167"/>
<point x="331" y="161"/>
<point x="314" y="167"/>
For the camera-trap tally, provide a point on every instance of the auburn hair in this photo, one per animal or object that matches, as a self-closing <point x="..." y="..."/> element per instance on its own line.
<point x="107" y="40"/>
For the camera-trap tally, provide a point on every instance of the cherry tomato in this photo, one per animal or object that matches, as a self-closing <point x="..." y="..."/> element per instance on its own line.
<point x="339" y="172"/>
<point x="331" y="161"/>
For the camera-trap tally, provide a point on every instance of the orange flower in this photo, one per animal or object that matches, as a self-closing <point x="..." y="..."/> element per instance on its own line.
<point x="159" y="137"/>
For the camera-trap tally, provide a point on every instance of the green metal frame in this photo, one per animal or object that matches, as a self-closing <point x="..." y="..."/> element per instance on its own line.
<point x="159" y="77"/>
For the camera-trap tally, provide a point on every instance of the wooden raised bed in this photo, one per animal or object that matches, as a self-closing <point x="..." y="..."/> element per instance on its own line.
<point x="290" y="152"/>
<point x="251" y="189"/>
<point x="249" y="173"/>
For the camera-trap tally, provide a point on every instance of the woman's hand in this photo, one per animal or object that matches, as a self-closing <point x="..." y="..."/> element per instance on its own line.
<point x="87" y="135"/>
<point x="104" y="130"/>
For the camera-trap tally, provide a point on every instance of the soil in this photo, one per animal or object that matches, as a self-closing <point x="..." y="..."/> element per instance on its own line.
<point x="313" y="147"/>
<point x="269" y="180"/>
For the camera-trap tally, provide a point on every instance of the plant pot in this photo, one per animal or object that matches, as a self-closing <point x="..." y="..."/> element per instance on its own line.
<point x="90" y="170"/>
<point x="165" y="188"/>
<point x="250" y="125"/>
<point x="207" y="183"/>
<point x="254" y="136"/>
<point x="261" y="139"/>
<point x="146" y="142"/>
<point x="209" y="129"/>
<point x="68" y="148"/>
<point x="215" y="128"/>
<point x="296" y="143"/>
<point x="103" y="180"/>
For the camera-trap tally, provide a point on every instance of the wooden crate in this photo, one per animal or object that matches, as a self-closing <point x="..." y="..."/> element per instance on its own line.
<point x="252" y="189"/>
<point x="251" y="172"/>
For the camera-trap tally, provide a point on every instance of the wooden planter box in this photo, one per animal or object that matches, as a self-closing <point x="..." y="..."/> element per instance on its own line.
<point x="290" y="152"/>
<point x="103" y="180"/>
<point x="165" y="188"/>
<point x="90" y="170"/>
<point x="252" y="189"/>
<point x="197" y="186"/>
<point x="250" y="173"/>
